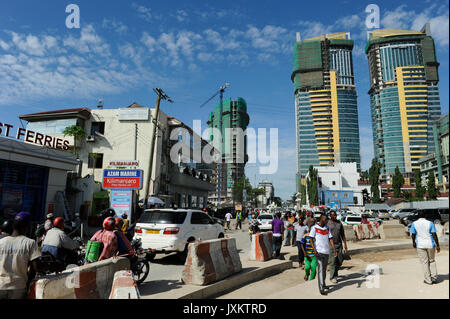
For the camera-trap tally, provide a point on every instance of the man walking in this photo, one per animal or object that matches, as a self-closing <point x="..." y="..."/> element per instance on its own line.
<point x="300" y="230"/>
<point x="228" y="217"/>
<point x="238" y="219"/>
<point x="337" y="231"/>
<point x="277" y="234"/>
<point x="322" y="239"/>
<point x="423" y="234"/>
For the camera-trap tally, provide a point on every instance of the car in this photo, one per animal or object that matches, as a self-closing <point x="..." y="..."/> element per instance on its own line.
<point x="437" y="216"/>
<point x="383" y="214"/>
<point x="171" y="230"/>
<point x="266" y="222"/>
<point x="393" y="213"/>
<point x="352" y="220"/>
<point x="404" y="212"/>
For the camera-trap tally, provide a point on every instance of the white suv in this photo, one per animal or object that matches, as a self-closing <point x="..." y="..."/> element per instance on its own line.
<point x="171" y="230"/>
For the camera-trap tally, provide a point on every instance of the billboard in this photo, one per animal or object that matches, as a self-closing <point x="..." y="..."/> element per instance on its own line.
<point x="121" y="202"/>
<point x="122" y="179"/>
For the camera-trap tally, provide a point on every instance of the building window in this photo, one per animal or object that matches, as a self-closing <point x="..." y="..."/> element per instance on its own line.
<point x="355" y="200"/>
<point x="97" y="127"/>
<point x="345" y="195"/>
<point x="334" y="183"/>
<point x="95" y="160"/>
<point x="334" y="195"/>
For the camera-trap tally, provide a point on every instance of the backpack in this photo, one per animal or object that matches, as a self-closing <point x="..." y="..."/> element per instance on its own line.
<point x="93" y="250"/>
<point x="40" y="230"/>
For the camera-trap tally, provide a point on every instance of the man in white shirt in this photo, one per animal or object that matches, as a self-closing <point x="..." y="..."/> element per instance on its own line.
<point x="228" y="217"/>
<point x="322" y="239"/>
<point x="423" y="234"/>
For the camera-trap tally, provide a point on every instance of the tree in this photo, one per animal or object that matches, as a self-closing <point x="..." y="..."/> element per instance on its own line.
<point x="364" y="176"/>
<point x="302" y="194"/>
<point x="255" y="192"/>
<point x="420" y="190"/>
<point x="76" y="132"/>
<point x="313" y="191"/>
<point x="366" y="198"/>
<point x="238" y="189"/>
<point x="374" y="179"/>
<point x="407" y="195"/>
<point x="431" y="187"/>
<point x="397" y="182"/>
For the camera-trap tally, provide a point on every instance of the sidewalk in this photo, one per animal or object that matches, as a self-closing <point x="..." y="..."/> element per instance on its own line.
<point x="254" y="271"/>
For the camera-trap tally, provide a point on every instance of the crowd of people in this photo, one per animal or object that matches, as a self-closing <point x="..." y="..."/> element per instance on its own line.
<point x="20" y="255"/>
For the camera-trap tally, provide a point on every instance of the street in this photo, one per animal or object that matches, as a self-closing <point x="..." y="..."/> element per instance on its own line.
<point x="165" y="270"/>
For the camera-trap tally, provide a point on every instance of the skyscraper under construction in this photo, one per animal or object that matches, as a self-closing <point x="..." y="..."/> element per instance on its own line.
<point x="326" y="111"/>
<point x="404" y="97"/>
<point x="235" y="120"/>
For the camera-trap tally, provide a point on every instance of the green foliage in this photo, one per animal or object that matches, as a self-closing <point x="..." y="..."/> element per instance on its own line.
<point x="374" y="179"/>
<point x="76" y="132"/>
<point x="364" y="176"/>
<point x="302" y="194"/>
<point x="397" y="182"/>
<point x="420" y="190"/>
<point x="312" y="187"/>
<point x="407" y="195"/>
<point x="238" y="189"/>
<point x="431" y="187"/>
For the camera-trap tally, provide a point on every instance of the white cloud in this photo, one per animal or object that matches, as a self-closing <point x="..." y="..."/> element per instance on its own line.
<point x="118" y="27"/>
<point x="4" y="45"/>
<point x="88" y="42"/>
<point x="143" y="12"/>
<point x="31" y="44"/>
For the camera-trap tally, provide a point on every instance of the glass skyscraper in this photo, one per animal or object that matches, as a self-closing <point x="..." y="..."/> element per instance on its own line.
<point x="404" y="97"/>
<point x="326" y="111"/>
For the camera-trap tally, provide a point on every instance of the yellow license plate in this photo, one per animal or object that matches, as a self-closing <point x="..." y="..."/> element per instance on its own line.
<point x="152" y="231"/>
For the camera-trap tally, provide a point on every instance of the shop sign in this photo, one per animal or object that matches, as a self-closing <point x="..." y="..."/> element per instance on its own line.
<point x="122" y="179"/>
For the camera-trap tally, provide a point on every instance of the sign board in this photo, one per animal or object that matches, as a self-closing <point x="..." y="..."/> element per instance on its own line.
<point x="238" y="207"/>
<point x="122" y="178"/>
<point x="123" y="163"/>
<point x="134" y="114"/>
<point x="334" y="205"/>
<point x="121" y="202"/>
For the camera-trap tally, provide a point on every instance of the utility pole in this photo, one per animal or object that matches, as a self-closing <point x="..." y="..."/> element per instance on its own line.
<point x="160" y="96"/>
<point x="135" y="140"/>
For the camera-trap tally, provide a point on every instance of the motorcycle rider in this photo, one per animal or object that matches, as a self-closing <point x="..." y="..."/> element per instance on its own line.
<point x="108" y="238"/>
<point x="6" y="229"/>
<point x="123" y="244"/>
<point x="253" y="226"/>
<point x="59" y="244"/>
<point x="125" y="226"/>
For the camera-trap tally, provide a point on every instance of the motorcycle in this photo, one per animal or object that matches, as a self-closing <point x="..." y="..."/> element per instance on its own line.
<point x="139" y="265"/>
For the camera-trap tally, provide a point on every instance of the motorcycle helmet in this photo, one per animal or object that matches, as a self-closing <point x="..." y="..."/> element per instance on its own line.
<point x="59" y="222"/>
<point x="7" y="227"/>
<point x="109" y="223"/>
<point x="118" y="222"/>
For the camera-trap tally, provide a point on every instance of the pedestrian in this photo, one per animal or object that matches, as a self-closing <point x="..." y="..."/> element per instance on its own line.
<point x="425" y="240"/>
<point x="228" y="217"/>
<point x="17" y="254"/>
<point x="340" y="243"/>
<point x="289" y="225"/>
<point x="300" y="230"/>
<point x="322" y="239"/>
<point x="309" y="259"/>
<point x="238" y="219"/>
<point x="310" y="221"/>
<point x="277" y="235"/>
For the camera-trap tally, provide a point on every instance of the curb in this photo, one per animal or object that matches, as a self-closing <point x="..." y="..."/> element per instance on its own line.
<point x="386" y="248"/>
<point x="237" y="281"/>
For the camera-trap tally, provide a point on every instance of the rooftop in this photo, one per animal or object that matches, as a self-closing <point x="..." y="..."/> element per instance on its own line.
<point x="79" y="112"/>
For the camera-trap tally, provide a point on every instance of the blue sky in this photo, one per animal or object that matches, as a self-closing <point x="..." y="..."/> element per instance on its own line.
<point x="190" y="48"/>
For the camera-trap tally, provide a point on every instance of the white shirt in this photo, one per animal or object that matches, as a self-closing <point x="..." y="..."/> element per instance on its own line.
<point x="424" y="230"/>
<point x="321" y="237"/>
<point x="228" y="217"/>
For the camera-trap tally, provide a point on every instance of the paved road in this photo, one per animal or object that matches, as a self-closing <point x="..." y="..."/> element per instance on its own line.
<point x="401" y="278"/>
<point x="165" y="270"/>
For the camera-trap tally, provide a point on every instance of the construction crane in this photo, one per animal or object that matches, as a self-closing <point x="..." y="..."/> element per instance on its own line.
<point x="221" y="90"/>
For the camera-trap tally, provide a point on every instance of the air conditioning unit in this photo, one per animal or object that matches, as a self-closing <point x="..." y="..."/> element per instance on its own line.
<point x="90" y="138"/>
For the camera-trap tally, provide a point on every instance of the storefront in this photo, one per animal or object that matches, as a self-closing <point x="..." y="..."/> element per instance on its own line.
<point x="30" y="178"/>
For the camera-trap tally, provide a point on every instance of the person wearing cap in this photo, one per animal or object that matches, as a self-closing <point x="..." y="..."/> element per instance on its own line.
<point x="17" y="253"/>
<point x="59" y="244"/>
<point x="108" y="238"/>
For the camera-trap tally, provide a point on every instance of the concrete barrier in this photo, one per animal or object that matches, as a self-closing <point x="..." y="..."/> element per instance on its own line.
<point x="210" y="261"/>
<point x="124" y="286"/>
<point x="349" y="233"/>
<point x="366" y="231"/>
<point x="261" y="247"/>
<point x="91" y="281"/>
<point x="392" y="232"/>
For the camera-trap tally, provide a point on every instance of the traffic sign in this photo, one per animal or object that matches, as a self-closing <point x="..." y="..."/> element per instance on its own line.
<point x="122" y="179"/>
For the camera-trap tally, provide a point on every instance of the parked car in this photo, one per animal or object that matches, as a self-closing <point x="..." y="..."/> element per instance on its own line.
<point x="393" y="213"/>
<point x="404" y="212"/>
<point x="352" y="220"/>
<point x="171" y="230"/>
<point x="266" y="222"/>
<point x="437" y="216"/>
<point x="383" y="214"/>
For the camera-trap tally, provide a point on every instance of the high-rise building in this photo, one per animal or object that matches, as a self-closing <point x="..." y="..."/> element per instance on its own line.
<point x="326" y="111"/>
<point x="235" y="120"/>
<point x="404" y="97"/>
